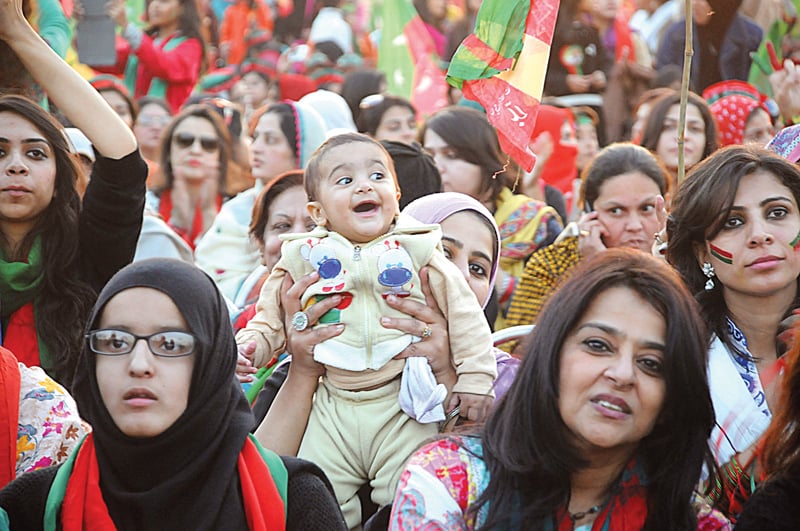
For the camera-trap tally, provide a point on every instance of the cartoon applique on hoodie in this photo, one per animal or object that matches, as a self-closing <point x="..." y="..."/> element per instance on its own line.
<point x="364" y="275"/>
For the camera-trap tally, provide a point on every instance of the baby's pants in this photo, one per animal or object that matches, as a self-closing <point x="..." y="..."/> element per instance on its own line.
<point x="361" y="436"/>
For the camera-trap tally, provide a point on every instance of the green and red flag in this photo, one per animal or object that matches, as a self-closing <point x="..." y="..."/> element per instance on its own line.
<point x="407" y="55"/>
<point x="502" y="66"/>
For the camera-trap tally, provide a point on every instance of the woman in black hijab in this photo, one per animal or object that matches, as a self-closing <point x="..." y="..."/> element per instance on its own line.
<point x="170" y="447"/>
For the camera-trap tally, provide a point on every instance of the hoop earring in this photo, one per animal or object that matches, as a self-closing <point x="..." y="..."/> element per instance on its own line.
<point x="708" y="270"/>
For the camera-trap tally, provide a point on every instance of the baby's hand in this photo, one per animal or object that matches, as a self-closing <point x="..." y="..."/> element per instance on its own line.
<point x="473" y="407"/>
<point x="244" y="363"/>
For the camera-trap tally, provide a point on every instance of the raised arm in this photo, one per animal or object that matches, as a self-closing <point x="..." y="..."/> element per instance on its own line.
<point x="282" y="429"/>
<point x="73" y="95"/>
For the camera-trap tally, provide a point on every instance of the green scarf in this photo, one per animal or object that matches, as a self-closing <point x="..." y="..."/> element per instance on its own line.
<point x="19" y="281"/>
<point x="158" y="87"/>
<point x="19" y="285"/>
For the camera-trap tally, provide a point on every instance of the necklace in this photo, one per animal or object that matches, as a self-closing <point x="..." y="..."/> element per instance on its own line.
<point x="583" y="514"/>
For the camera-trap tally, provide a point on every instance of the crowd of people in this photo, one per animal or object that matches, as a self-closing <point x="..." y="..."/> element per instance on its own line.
<point x="247" y="282"/>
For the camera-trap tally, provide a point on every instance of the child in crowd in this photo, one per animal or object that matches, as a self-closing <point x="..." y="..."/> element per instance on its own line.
<point x="361" y="427"/>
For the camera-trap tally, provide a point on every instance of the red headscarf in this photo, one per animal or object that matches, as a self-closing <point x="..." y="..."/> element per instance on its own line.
<point x="559" y="170"/>
<point x="731" y="103"/>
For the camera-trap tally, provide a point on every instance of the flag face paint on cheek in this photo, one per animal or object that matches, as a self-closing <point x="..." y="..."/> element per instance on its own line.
<point x="795" y="244"/>
<point x="721" y="254"/>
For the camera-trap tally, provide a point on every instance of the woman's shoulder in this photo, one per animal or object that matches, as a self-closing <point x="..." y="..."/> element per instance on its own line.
<point x="24" y="499"/>
<point x="455" y="451"/>
<point x="117" y="179"/>
<point x="311" y="503"/>
<point x="773" y="506"/>
<point x="439" y="484"/>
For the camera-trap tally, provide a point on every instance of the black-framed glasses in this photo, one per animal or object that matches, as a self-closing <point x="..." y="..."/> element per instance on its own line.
<point x="185" y="140"/>
<point x="168" y="343"/>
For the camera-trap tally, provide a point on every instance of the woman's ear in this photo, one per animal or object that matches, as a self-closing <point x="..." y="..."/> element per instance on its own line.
<point x="701" y="253"/>
<point x="317" y="213"/>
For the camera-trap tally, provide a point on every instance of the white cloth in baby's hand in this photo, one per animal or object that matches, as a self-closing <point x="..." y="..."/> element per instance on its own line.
<point x="420" y="396"/>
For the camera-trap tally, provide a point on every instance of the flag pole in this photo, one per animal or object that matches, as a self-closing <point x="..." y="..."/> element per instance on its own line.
<point x="687" y="69"/>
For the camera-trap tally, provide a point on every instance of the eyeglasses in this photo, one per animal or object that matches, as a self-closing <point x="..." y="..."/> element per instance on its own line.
<point x="186" y="140"/>
<point x="149" y="121"/>
<point x="169" y="344"/>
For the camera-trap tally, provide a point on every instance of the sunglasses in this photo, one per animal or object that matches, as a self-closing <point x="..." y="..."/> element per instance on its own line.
<point x="186" y="140"/>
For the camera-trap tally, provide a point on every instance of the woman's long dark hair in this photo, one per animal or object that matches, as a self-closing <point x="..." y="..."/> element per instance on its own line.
<point x="527" y="446"/>
<point x="780" y="456"/>
<point x="64" y="299"/>
<point x="699" y="211"/>
<point x="468" y="132"/>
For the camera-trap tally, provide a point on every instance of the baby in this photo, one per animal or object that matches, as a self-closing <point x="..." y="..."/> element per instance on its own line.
<point x="364" y="251"/>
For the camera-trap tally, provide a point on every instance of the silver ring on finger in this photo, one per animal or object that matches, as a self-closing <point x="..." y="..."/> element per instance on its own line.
<point x="300" y="321"/>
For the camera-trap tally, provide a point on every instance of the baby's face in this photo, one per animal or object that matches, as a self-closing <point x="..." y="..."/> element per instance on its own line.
<point x="357" y="195"/>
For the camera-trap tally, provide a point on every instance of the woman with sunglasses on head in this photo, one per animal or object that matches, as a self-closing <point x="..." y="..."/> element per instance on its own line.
<point x="170" y="446"/>
<point x="195" y="150"/>
<point x="387" y="117"/>
<point x="56" y="253"/>
<point x="359" y="84"/>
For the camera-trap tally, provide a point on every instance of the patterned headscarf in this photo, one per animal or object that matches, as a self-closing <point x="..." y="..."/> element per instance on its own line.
<point x="731" y="103"/>
<point x="787" y="143"/>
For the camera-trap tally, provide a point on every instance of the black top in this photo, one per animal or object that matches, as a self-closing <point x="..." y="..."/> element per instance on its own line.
<point x="311" y="504"/>
<point x="111" y="217"/>
<point x="773" y="506"/>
